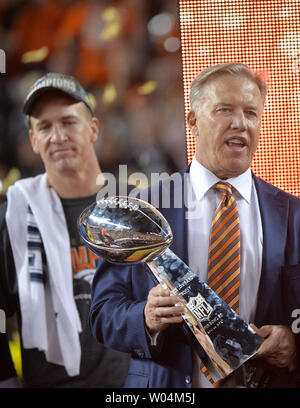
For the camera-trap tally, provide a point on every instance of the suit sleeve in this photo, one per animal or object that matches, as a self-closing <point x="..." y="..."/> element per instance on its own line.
<point x="119" y="296"/>
<point x="117" y="309"/>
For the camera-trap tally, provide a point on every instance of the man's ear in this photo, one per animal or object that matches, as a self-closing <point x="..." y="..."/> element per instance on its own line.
<point x="33" y="142"/>
<point x="192" y="122"/>
<point x="95" y="129"/>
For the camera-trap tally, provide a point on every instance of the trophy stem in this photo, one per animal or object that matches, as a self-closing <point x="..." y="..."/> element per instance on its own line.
<point x="226" y="338"/>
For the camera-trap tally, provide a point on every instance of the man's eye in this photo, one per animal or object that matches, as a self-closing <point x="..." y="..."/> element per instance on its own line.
<point x="223" y="110"/>
<point x="69" y="122"/>
<point x="251" y="113"/>
<point x="44" y="128"/>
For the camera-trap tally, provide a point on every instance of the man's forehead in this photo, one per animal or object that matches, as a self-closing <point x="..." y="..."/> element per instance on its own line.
<point x="226" y="80"/>
<point x="226" y="88"/>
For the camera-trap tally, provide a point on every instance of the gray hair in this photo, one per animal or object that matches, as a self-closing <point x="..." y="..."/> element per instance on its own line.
<point x="233" y="68"/>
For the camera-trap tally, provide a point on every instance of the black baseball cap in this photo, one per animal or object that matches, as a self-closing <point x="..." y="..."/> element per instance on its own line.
<point x="64" y="83"/>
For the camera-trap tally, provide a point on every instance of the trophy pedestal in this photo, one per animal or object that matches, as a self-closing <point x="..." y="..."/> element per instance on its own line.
<point x="225" y="337"/>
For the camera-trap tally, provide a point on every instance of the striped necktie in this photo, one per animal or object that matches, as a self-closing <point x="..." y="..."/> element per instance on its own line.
<point x="224" y="248"/>
<point x="224" y="255"/>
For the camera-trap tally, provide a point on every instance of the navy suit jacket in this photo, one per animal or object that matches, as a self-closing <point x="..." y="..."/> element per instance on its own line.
<point x="119" y="293"/>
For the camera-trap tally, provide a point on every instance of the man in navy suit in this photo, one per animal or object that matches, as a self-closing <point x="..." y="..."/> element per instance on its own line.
<point x="131" y="313"/>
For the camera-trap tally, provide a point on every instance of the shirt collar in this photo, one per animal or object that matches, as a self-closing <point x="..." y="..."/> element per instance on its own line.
<point x="242" y="183"/>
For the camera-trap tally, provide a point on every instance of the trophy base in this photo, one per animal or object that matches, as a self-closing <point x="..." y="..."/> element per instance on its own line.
<point x="226" y="338"/>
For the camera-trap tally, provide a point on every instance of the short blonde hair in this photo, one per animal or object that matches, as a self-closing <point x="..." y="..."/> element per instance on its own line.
<point x="233" y="68"/>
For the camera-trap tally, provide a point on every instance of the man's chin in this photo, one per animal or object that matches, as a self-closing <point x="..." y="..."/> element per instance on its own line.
<point x="66" y="166"/>
<point x="232" y="170"/>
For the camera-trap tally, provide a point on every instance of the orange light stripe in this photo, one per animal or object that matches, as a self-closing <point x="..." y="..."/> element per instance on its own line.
<point x="231" y="290"/>
<point x="236" y="299"/>
<point x="228" y="280"/>
<point x="220" y="212"/>
<point x="221" y="225"/>
<point x="229" y="266"/>
<point x="230" y="227"/>
<point x="226" y="244"/>
<point x="224" y="187"/>
<point x="224" y="259"/>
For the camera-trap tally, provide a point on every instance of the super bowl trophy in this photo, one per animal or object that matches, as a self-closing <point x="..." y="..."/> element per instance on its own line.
<point x="129" y="230"/>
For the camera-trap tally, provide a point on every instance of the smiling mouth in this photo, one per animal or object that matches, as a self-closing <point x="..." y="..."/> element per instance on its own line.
<point x="236" y="143"/>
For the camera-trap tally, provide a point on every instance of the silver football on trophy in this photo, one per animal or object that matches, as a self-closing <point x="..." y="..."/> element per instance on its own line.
<point x="124" y="230"/>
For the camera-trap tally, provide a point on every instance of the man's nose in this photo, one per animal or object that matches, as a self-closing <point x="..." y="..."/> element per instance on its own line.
<point x="239" y="120"/>
<point x="57" y="134"/>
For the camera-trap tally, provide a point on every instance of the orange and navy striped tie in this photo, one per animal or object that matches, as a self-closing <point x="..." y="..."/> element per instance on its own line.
<point x="224" y="255"/>
<point x="224" y="248"/>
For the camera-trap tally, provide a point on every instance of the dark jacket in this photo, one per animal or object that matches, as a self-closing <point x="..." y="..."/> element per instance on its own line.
<point x="119" y="294"/>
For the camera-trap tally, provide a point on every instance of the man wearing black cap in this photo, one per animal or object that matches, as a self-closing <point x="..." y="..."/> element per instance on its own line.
<point x="47" y="288"/>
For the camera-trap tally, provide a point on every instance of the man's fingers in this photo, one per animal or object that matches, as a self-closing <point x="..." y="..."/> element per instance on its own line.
<point x="263" y="331"/>
<point x="160" y="297"/>
<point x="160" y="301"/>
<point x="169" y="311"/>
<point x="278" y="347"/>
<point x="270" y="343"/>
<point x="159" y="290"/>
<point x="162" y="309"/>
<point x="171" y="319"/>
<point x="279" y="361"/>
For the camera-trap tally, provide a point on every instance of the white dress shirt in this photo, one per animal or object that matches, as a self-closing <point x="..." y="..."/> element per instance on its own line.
<point x="202" y="201"/>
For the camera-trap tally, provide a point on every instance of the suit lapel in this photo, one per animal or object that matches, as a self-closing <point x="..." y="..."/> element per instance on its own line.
<point x="274" y="215"/>
<point x="177" y="220"/>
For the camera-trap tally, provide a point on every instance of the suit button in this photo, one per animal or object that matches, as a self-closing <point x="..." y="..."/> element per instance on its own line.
<point x="188" y="379"/>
